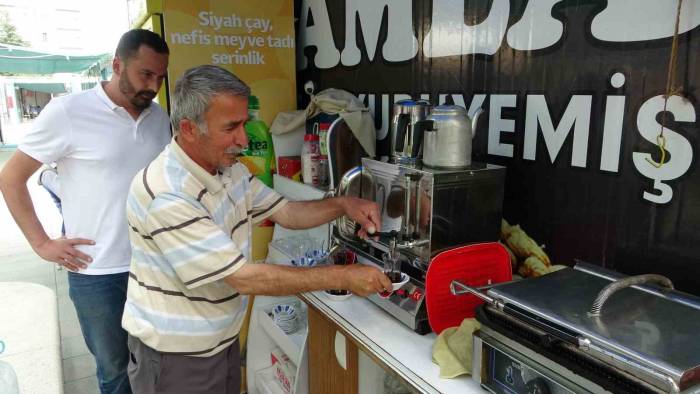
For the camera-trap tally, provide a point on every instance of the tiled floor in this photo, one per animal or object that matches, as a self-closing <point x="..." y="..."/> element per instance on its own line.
<point x="19" y="263"/>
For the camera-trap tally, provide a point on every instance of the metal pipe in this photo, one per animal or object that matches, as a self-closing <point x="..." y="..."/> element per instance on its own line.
<point x="673" y="296"/>
<point x="613" y="287"/>
<point x="412" y="244"/>
<point x="407" y="208"/>
<point x="416" y="231"/>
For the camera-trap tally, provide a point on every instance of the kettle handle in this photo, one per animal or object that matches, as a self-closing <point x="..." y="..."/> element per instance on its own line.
<point x="418" y="128"/>
<point x="475" y="118"/>
<point x="401" y="126"/>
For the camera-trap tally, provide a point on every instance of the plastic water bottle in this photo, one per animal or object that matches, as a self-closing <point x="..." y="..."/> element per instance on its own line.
<point x="8" y="378"/>
<point x="310" y="155"/>
<point x="323" y="137"/>
<point x="323" y="176"/>
<point x="259" y="156"/>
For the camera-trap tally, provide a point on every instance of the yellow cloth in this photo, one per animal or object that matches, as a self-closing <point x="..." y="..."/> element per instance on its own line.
<point x="452" y="350"/>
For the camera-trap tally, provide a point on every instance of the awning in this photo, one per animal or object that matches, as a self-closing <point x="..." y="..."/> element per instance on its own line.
<point x="48" y="87"/>
<point x="18" y="60"/>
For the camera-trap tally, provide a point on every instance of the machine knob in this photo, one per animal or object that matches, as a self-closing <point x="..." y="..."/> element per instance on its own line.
<point x="417" y="295"/>
<point x="537" y="386"/>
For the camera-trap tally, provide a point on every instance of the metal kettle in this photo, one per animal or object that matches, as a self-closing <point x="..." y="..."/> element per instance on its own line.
<point x="405" y="139"/>
<point x="447" y="136"/>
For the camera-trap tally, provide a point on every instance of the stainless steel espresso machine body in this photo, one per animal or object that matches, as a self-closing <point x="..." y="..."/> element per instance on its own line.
<point x="430" y="210"/>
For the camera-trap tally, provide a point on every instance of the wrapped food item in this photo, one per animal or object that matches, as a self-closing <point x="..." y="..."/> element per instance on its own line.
<point x="523" y="246"/>
<point x="533" y="267"/>
<point x="506" y="229"/>
<point x="513" y="259"/>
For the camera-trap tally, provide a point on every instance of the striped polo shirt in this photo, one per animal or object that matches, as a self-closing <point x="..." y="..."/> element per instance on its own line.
<point x="189" y="230"/>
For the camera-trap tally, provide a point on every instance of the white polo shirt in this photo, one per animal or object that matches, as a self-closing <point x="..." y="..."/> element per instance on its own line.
<point x="98" y="148"/>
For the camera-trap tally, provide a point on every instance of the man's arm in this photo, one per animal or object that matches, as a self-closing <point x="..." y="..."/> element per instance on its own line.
<point x="207" y="254"/>
<point x="308" y="214"/>
<point x="13" y="184"/>
<point x="270" y="279"/>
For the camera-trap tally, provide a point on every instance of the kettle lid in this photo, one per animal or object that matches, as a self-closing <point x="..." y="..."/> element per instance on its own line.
<point x="412" y="103"/>
<point x="449" y="110"/>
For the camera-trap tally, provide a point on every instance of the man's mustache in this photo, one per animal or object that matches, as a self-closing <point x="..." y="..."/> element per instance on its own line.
<point x="235" y="151"/>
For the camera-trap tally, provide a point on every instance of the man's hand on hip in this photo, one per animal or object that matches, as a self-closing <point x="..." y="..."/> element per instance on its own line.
<point x="63" y="252"/>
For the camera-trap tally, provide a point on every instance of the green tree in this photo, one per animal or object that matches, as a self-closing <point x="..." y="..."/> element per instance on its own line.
<point x="8" y="32"/>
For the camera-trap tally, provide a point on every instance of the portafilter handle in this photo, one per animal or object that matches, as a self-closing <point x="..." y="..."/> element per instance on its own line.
<point x="333" y="242"/>
<point x="623" y="283"/>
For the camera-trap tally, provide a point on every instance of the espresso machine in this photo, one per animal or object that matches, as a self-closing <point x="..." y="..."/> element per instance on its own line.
<point x="424" y="211"/>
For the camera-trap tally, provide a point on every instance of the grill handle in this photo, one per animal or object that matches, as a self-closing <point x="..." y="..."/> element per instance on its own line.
<point x="623" y="283"/>
<point x="459" y="288"/>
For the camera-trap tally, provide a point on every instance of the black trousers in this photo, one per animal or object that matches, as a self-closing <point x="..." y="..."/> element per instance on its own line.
<point x="153" y="372"/>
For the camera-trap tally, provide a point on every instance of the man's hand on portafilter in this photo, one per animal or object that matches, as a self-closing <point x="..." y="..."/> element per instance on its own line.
<point x="364" y="280"/>
<point x="365" y="213"/>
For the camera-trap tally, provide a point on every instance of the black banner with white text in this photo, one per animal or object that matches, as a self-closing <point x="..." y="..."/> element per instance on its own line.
<point x="573" y="100"/>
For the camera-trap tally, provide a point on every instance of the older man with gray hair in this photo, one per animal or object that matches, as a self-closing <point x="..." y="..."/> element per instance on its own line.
<point x="191" y="212"/>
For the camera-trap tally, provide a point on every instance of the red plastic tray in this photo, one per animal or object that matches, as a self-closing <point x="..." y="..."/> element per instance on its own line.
<point x="474" y="265"/>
